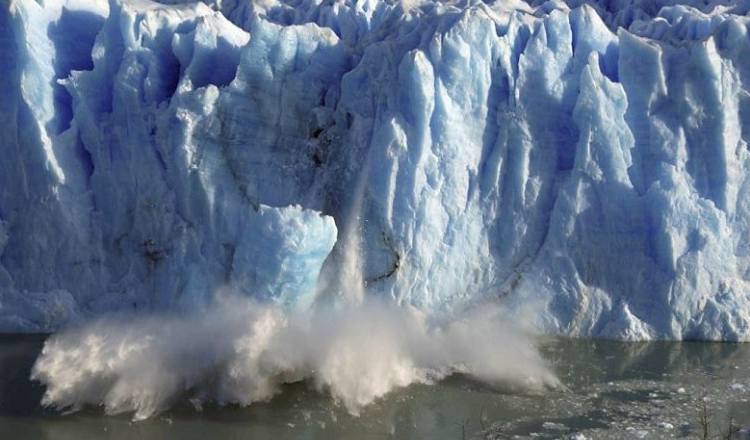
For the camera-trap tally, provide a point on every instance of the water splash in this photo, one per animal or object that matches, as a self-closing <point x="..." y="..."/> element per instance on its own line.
<point x="239" y="351"/>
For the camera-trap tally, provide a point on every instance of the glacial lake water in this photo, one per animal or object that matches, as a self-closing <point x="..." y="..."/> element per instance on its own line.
<point x="612" y="390"/>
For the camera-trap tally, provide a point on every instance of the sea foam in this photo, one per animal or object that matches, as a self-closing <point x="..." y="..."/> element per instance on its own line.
<point x="239" y="351"/>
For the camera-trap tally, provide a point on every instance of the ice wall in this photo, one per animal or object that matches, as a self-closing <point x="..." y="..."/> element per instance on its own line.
<point x="585" y="161"/>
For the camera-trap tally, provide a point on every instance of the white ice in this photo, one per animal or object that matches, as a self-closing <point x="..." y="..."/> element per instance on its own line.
<point x="588" y="161"/>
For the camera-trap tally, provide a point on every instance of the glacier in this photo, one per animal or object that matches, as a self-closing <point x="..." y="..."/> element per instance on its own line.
<point x="584" y="164"/>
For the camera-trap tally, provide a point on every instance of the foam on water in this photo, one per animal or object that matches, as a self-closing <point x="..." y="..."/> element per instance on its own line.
<point x="239" y="351"/>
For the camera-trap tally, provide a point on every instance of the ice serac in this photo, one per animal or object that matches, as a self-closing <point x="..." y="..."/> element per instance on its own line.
<point x="140" y="203"/>
<point x="587" y="161"/>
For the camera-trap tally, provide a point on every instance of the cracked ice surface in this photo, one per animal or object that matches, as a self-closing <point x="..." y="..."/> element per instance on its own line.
<point x="587" y="161"/>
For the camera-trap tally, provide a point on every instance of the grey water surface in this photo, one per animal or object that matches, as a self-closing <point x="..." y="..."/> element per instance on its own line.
<point x="611" y="390"/>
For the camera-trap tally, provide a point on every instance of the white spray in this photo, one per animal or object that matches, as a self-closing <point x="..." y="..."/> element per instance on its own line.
<point x="351" y="283"/>
<point x="240" y="352"/>
<point x="343" y="283"/>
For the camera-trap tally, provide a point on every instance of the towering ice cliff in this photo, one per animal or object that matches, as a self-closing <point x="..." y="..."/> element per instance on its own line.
<point x="587" y="161"/>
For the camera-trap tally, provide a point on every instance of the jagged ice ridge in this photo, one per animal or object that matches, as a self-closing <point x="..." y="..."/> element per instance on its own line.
<point x="586" y="161"/>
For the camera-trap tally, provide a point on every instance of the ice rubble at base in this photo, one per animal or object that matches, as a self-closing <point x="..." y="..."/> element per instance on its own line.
<point x="587" y="160"/>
